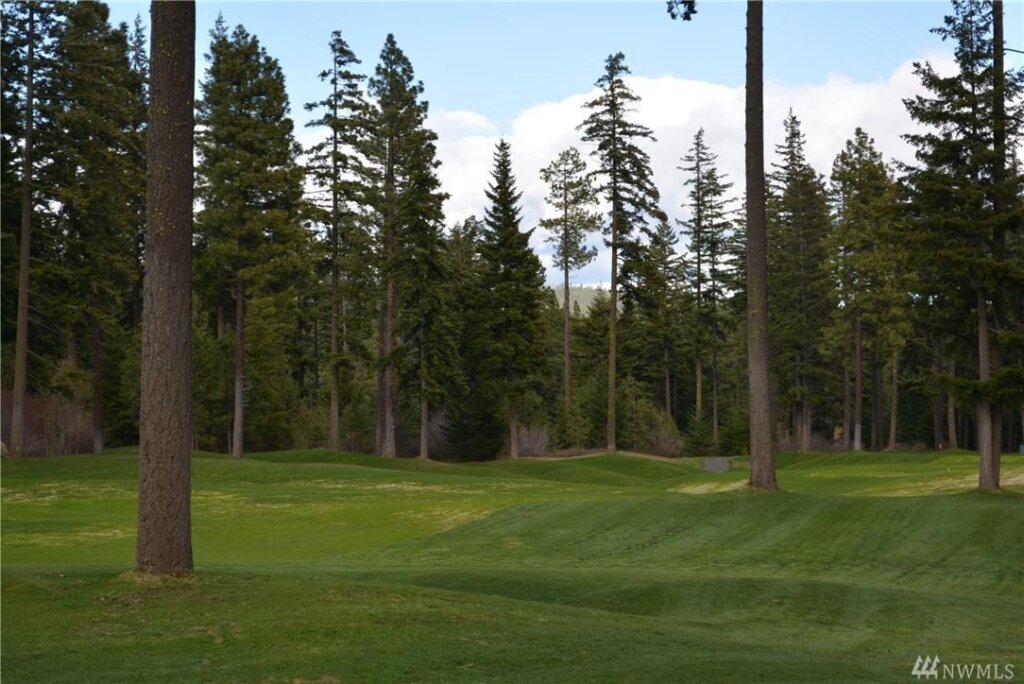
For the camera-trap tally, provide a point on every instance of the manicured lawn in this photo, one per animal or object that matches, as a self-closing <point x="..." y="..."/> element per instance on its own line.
<point x="321" y="567"/>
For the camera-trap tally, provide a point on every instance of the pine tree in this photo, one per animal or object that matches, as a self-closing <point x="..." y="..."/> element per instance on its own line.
<point x="571" y="195"/>
<point x="164" y="543"/>
<point x="395" y="150"/>
<point x="250" y="185"/>
<point x="799" y="287"/>
<point x="624" y="174"/>
<point x="336" y="167"/>
<point x="91" y="176"/>
<point x="959" y="181"/>
<point x="425" y="321"/>
<point x="706" y="230"/>
<point x="514" y="277"/>
<point x="867" y="261"/>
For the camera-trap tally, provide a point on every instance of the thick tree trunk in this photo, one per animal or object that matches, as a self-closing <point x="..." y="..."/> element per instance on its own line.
<point x="937" y="441"/>
<point x="613" y="319"/>
<point x="988" y="453"/>
<point x="238" y="427"/>
<point x="858" y="388"/>
<point x="165" y="420"/>
<point x="20" y="394"/>
<point x="762" y="452"/>
<point x="567" y="337"/>
<point x="894" y="401"/>
<point x="381" y="387"/>
<point x="951" y="410"/>
<point x="97" y="388"/>
<point x="845" y="443"/>
<point x="513" y="432"/>
<point x="805" y="426"/>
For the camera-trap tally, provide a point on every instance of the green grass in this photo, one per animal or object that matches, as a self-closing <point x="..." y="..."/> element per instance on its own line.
<point x="316" y="566"/>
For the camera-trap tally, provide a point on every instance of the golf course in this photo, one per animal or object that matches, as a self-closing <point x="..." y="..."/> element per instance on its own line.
<point x="317" y="566"/>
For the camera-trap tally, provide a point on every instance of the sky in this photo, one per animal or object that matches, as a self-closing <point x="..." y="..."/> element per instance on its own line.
<point x="523" y="70"/>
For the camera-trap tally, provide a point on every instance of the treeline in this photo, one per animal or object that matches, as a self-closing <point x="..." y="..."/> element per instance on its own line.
<point x="334" y="304"/>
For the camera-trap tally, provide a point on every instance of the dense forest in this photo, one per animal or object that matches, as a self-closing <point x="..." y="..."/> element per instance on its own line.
<point x="335" y="305"/>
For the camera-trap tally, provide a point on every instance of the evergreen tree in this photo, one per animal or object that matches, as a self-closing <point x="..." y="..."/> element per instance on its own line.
<point x="706" y="230"/>
<point x="867" y="261"/>
<point x="965" y="199"/>
<point x="571" y="195"/>
<point x="336" y="168"/>
<point x="799" y="226"/>
<point x="396" y="150"/>
<point x="90" y="178"/>
<point x="624" y="174"/>
<point x="250" y="186"/>
<point x="514" y="277"/>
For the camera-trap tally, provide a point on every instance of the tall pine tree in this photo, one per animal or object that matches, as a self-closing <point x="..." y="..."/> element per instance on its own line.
<point x="624" y="178"/>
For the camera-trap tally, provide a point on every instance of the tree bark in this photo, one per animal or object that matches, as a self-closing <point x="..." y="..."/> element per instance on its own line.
<point x="714" y="390"/>
<point x="762" y="452"/>
<point x="164" y="543"/>
<point x="20" y="394"/>
<point x="333" y="421"/>
<point x="894" y="401"/>
<point x="858" y="385"/>
<point x="97" y="388"/>
<point x="238" y="430"/>
<point x="805" y="425"/>
<point x="988" y="476"/>
<point x="221" y="326"/>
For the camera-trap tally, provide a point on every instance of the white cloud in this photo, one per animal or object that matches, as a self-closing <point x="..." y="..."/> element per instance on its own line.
<point x="674" y="109"/>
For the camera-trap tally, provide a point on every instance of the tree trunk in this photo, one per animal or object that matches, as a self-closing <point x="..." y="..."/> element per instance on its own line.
<point x="333" y="425"/>
<point x="894" y="401"/>
<point x="513" y="432"/>
<point x="762" y="453"/>
<point x="714" y="393"/>
<point x="567" y="337"/>
<point x="937" y="442"/>
<point x="388" y="448"/>
<point x="424" y="407"/>
<point x="845" y="444"/>
<point x="876" y="407"/>
<point x="988" y="476"/>
<point x="805" y="426"/>
<point x="858" y="387"/>
<point x="668" y="381"/>
<point x="381" y="388"/>
<point x="951" y="410"/>
<point x="221" y="326"/>
<point x="237" y="437"/>
<point x="20" y="394"/>
<point x="699" y="389"/>
<point x="165" y="418"/>
<point x="613" y="318"/>
<point x="97" y="388"/>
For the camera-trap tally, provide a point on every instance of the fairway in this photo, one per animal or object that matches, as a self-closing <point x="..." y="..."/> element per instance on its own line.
<point x="322" y="567"/>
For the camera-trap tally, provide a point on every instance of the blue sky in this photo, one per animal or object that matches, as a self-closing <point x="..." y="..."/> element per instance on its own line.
<point x="500" y="58"/>
<point x="523" y="70"/>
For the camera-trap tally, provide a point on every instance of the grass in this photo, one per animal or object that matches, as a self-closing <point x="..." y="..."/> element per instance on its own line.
<point x="323" y="567"/>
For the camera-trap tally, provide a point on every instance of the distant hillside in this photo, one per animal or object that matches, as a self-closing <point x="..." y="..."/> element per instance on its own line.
<point x="581" y="294"/>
